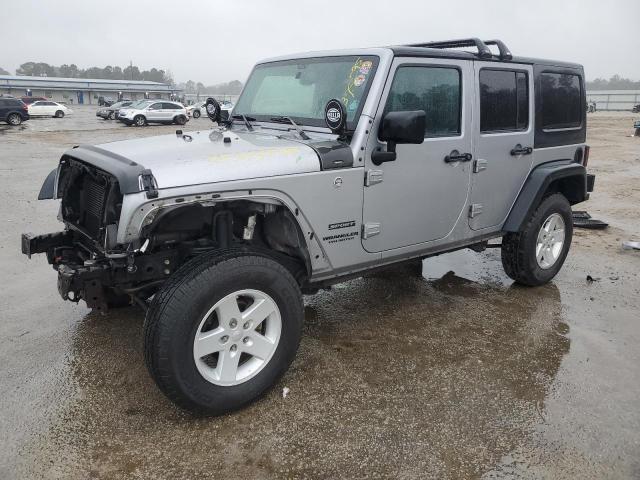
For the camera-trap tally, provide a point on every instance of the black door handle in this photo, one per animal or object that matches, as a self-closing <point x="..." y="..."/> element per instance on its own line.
<point x="456" y="156"/>
<point x="520" y="150"/>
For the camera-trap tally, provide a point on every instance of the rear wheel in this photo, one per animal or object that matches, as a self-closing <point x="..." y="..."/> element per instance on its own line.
<point x="140" y="121"/>
<point x="180" y="120"/>
<point x="14" y="119"/>
<point x="535" y="255"/>
<point x="196" y="114"/>
<point x="223" y="330"/>
<point x="59" y="114"/>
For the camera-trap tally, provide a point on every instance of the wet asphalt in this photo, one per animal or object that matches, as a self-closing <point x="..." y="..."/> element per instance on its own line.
<point x="455" y="374"/>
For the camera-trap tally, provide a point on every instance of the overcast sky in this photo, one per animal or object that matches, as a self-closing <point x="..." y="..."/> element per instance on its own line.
<point x="214" y="41"/>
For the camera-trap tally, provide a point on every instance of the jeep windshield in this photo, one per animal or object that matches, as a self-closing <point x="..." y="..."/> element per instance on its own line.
<point x="301" y="88"/>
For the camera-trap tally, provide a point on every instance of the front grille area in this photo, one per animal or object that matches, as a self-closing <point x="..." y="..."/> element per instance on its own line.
<point x="94" y="193"/>
<point x="91" y="197"/>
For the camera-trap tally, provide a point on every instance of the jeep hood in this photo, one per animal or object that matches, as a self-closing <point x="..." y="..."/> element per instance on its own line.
<point x="200" y="157"/>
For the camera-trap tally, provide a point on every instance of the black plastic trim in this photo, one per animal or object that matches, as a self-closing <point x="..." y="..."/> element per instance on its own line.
<point x="49" y="186"/>
<point x="333" y="154"/>
<point x="127" y="172"/>
<point x="536" y="186"/>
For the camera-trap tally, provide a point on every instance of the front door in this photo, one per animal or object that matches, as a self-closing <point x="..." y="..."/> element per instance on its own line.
<point x="154" y="112"/>
<point x="420" y="196"/>
<point x="503" y="140"/>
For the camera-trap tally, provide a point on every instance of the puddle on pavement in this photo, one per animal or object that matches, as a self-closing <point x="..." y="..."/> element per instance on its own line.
<point x="418" y="377"/>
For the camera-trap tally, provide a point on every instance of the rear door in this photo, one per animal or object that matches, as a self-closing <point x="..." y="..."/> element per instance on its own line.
<point x="169" y="111"/>
<point x="503" y="135"/>
<point x="419" y="197"/>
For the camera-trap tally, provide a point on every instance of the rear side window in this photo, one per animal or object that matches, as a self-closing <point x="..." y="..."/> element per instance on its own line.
<point x="561" y="101"/>
<point x="436" y="90"/>
<point x="504" y="101"/>
<point x="171" y="106"/>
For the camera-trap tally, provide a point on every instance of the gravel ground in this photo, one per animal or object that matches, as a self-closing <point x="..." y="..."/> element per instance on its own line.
<point x="460" y="374"/>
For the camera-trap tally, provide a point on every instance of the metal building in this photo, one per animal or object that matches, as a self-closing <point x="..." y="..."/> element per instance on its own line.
<point x="83" y="90"/>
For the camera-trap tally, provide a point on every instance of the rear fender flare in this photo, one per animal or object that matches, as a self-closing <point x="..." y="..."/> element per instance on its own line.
<point x="567" y="177"/>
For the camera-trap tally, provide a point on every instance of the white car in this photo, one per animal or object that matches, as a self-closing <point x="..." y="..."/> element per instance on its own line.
<point x="153" y="111"/>
<point x="198" y="109"/>
<point x="47" y="108"/>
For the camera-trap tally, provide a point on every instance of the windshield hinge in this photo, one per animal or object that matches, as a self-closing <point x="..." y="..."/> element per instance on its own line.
<point x="148" y="184"/>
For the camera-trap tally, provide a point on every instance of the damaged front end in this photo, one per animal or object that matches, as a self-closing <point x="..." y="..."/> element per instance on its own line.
<point x="91" y="265"/>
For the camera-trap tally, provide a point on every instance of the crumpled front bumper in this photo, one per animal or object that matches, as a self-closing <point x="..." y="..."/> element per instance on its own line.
<point x="92" y="276"/>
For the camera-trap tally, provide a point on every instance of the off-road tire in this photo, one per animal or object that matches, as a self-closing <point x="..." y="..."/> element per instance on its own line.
<point x="519" y="249"/>
<point x="196" y="114"/>
<point x="14" y="119"/>
<point x="180" y="120"/>
<point x="177" y="309"/>
<point x="59" y="114"/>
<point x="139" y="121"/>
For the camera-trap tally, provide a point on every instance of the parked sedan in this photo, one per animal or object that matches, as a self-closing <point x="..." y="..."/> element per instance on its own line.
<point x="109" y="113"/>
<point x="153" y="111"/>
<point x="49" y="109"/>
<point x="30" y="100"/>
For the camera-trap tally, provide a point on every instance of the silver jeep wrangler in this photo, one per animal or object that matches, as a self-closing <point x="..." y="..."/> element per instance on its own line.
<point x="331" y="165"/>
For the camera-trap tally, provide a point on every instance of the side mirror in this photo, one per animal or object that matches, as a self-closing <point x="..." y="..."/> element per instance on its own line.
<point x="399" y="127"/>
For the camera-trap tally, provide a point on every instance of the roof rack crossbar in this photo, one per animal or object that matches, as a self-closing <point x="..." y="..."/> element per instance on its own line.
<point x="505" y="53"/>
<point x="483" y="49"/>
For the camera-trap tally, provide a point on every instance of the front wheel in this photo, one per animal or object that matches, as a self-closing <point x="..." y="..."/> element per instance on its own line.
<point x="14" y="119"/>
<point x="223" y="330"/>
<point x="59" y="114"/>
<point x="140" y="121"/>
<point x="534" y="255"/>
<point x="196" y="114"/>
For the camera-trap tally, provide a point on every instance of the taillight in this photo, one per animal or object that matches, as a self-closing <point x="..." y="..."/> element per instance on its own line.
<point x="585" y="158"/>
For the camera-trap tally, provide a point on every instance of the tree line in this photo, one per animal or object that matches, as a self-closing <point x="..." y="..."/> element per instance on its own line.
<point x="131" y="72"/>
<point x="228" y="88"/>
<point x="616" y="82"/>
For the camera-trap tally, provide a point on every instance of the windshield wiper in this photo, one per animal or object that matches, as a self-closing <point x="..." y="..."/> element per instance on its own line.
<point x="245" y="119"/>
<point x="290" y="121"/>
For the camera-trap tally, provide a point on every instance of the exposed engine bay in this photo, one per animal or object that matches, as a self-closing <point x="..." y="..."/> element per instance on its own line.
<point x="93" y="267"/>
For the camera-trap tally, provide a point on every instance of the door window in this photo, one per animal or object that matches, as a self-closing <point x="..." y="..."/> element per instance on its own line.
<point x="561" y="101"/>
<point x="156" y="106"/>
<point x="504" y="101"/>
<point x="170" y="106"/>
<point x="436" y="90"/>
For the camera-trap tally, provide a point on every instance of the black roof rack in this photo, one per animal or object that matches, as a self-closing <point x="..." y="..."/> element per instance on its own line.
<point x="483" y="49"/>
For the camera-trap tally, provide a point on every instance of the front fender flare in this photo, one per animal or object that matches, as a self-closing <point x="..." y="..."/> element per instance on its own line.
<point x="48" y="189"/>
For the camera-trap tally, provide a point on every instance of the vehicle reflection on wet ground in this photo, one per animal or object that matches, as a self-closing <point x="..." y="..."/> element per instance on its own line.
<point x="457" y="373"/>
<point x="437" y="369"/>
